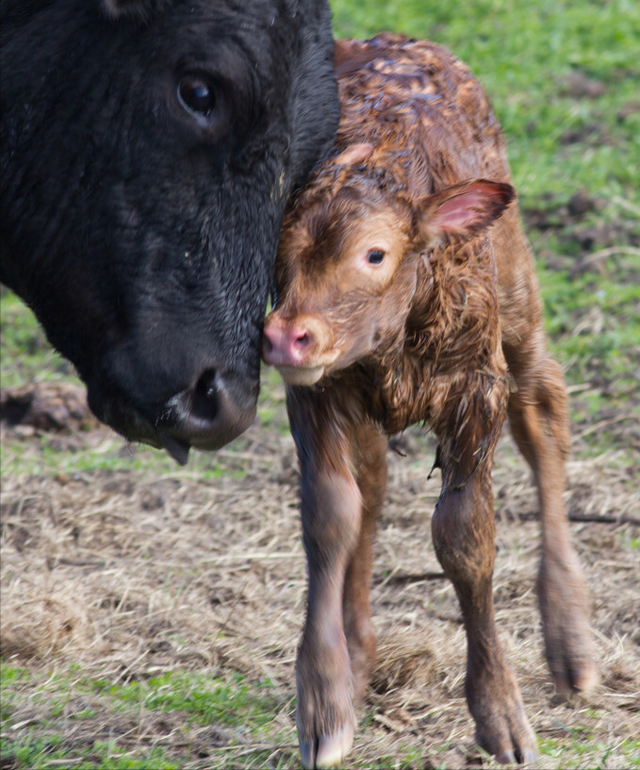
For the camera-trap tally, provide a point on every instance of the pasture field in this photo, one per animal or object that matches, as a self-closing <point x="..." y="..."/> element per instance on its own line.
<point x="150" y="614"/>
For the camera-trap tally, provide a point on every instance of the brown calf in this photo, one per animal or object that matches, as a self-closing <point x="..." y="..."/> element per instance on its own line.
<point x="406" y="294"/>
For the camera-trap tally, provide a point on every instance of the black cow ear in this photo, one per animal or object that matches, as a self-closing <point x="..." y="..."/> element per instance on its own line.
<point x="137" y="10"/>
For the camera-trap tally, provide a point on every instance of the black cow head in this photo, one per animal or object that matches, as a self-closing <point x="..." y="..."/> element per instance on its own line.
<point x="148" y="148"/>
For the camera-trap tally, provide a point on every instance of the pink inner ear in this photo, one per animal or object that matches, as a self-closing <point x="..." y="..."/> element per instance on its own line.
<point x="471" y="207"/>
<point x="462" y="211"/>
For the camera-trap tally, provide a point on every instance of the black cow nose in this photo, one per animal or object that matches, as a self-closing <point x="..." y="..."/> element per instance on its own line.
<point x="213" y="412"/>
<point x="205" y="404"/>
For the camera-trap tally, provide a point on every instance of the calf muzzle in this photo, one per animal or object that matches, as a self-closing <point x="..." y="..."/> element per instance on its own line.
<point x="299" y="348"/>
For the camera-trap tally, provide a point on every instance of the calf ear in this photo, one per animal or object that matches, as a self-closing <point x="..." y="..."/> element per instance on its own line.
<point x="462" y="211"/>
<point x="138" y="10"/>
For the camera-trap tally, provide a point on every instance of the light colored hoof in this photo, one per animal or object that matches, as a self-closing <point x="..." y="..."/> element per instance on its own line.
<point x="327" y="750"/>
<point x="582" y="679"/>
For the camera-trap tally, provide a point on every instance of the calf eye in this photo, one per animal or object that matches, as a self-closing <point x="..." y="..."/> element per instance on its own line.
<point x="375" y="256"/>
<point x="197" y="95"/>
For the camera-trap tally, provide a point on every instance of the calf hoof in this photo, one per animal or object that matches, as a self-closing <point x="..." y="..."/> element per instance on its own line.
<point x="571" y="671"/>
<point x="502" y="727"/>
<point x="523" y="757"/>
<point x="510" y="738"/>
<point x="568" y="643"/>
<point x="325" y="718"/>
<point x="327" y="750"/>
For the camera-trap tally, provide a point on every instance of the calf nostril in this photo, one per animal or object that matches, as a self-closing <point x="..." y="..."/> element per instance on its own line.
<point x="302" y="340"/>
<point x="205" y="404"/>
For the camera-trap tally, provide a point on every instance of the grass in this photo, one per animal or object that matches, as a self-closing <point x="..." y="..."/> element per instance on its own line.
<point x="26" y="354"/>
<point x="47" y="455"/>
<point x="233" y="712"/>
<point x="204" y="699"/>
<point x="236" y="715"/>
<point x="589" y="755"/>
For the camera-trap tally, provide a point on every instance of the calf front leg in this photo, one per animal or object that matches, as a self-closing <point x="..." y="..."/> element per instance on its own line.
<point x="331" y="517"/>
<point x="463" y="529"/>
<point x="330" y="521"/>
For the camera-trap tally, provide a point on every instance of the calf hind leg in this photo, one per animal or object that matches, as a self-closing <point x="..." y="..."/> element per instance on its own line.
<point x="539" y="424"/>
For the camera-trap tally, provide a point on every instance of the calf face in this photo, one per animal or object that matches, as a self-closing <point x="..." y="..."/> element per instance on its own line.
<point x="348" y="269"/>
<point x="148" y="150"/>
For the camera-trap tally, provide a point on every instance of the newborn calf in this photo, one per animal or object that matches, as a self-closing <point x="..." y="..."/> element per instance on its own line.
<point x="405" y="293"/>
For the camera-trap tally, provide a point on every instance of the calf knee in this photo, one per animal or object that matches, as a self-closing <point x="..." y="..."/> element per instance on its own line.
<point x="331" y="512"/>
<point x="463" y="531"/>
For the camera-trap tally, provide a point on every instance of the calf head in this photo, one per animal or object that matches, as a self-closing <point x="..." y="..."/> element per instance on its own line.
<point x="348" y="264"/>
<point x="148" y="150"/>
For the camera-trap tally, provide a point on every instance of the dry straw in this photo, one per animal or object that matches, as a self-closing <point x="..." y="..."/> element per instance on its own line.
<point x="130" y="576"/>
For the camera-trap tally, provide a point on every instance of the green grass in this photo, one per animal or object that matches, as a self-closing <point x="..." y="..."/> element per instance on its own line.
<point x="239" y="713"/>
<point x="608" y="338"/>
<point x="44" y="754"/>
<point x="114" y="454"/>
<point x="205" y="700"/>
<point x="26" y="354"/>
<point x="587" y="754"/>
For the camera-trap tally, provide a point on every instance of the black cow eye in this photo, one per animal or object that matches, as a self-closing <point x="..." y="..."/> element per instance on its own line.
<point x="375" y="256"/>
<point x="197" y="95"/>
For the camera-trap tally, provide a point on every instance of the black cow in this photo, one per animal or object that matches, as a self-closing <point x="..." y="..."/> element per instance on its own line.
<point x="148" y="148"/>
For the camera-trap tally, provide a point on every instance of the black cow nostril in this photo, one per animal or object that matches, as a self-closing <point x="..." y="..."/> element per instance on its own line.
<point x="207" y="415"/>
<point x="205" y="404"/>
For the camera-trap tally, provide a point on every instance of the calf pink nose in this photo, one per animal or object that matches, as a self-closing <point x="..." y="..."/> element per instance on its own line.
<point x="285" y="345"/>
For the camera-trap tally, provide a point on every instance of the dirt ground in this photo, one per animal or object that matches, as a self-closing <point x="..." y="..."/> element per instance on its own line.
<point x="128" y="576"/>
